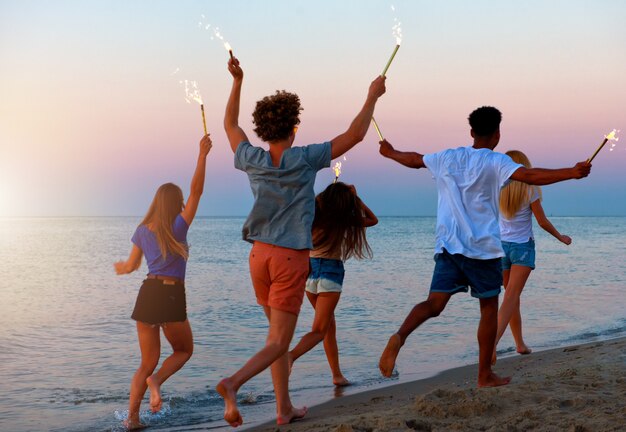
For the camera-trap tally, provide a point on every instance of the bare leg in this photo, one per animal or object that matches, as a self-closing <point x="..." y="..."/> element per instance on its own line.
<point x="282" y="325"/>
<point x="324" y="305"/>
<point x="487" y="329"/>
<point x="332" y="354"/>
<point x="516" y="330"/>
<point x="420" y="313"/>
<point x="181" y="339"/>
<point x="150" y="346"/>
<point x="517" y="277"/>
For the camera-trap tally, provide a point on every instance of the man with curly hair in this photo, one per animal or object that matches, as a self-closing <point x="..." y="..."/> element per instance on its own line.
<point x="279" y="225"/>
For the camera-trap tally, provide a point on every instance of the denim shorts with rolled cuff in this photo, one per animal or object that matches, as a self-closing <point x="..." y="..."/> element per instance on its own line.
<point x="455" y="273"/>
<point x="521" y="254"/>
<point x="326" y="275"/>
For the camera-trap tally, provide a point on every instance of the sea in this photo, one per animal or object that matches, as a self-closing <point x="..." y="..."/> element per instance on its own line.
<point x="68" y="347"/>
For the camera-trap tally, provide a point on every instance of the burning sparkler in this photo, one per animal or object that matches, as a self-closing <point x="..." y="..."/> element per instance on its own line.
<point x="192" y="93"/>
<point x="337" y="169"/>
<point x="216" y="35"/>
<point x="229" y="49"/>
<point x="380" y="135"/>
<point x="610" y="137"/>
<point x="396" y="30"/>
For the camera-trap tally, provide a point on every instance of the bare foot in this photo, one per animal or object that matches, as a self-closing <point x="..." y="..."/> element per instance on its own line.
<point x="388" y="358"/>
<point x="341" y="381"/>
<point x="134" y="424"/>
<point x="295" y="414"/>
<point x="231" y="412"/>
<point x="523" y="350"/>
<point x="155" y="394"/>
<point x="493" y="380"/>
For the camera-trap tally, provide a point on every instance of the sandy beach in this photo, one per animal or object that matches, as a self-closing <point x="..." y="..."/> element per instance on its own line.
<point x="578" y="388"/>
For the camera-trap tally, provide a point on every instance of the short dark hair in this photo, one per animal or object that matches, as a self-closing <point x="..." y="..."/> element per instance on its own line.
<point x="485" y="121"/>
<point x="276" y="116"/>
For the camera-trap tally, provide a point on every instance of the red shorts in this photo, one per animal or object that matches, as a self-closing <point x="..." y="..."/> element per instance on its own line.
<point x="278" y="276"/>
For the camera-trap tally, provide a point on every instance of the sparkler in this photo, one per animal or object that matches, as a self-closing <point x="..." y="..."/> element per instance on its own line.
<point x="216" y="35"/>
<point x="610" y="137"/>
<point x="229" y="49"/>
<point x="380" y="135"/>
<point x="337" y="169"/>
<point x="396" y="30"/>
<point x="192" y="93"/>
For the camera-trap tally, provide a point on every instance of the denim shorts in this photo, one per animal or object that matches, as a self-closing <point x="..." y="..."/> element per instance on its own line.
<point x="521" y="254"/>
<point x="455" y="273"/>
<point x="326" y="275"/>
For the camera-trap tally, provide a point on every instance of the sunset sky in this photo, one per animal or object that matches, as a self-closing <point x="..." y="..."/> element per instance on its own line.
<point x="93" y="118"/>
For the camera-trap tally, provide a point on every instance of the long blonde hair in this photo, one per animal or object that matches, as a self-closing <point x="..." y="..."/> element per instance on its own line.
<point x="166" y="205"/>
<point x="516" y="194"/>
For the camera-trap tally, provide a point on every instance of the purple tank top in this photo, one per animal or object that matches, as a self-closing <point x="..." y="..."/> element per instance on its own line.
<point x="173" y="265"/>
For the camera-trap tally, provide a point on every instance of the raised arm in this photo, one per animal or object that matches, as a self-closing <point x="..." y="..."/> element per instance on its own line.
<point x="358" y="128"/>
<point x="544" y="176"/>
<point x="197" y="182"/>
<point x="369" y="218"/>
<point x="408" y="159"/>
<point x="231" y="118"/>
<point x="131" y="264"/>
<point x="544" y="223"/>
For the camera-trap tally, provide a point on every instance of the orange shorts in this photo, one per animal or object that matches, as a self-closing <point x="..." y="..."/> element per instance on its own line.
<point x="278" y="276"/>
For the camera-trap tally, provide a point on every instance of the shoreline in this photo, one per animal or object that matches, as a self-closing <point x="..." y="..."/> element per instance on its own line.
<point x="578" y="388"/>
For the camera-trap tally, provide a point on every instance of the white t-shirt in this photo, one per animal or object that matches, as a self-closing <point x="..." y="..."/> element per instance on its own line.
<point x="519" y="229"/>
<point x="469" y="182"/>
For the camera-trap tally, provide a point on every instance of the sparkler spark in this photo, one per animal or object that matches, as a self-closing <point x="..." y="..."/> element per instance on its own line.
<point x="611" y="136"/>
<point x="192" y="93"/>
<point x="217" y="34"/>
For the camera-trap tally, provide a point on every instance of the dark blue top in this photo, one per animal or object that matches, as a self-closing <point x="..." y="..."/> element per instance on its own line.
<point x="173" y="265"/>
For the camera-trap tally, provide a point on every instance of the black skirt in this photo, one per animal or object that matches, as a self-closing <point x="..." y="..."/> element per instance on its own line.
<point x="160" y="301"/>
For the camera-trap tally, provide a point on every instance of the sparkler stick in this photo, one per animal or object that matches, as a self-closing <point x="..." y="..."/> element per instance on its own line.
<point x="203" y="118"/>
<point x="390" y="60"/>
<point x="607" y="138"/>
<point x="229" y="49"/>
<point x="380" y="135"/>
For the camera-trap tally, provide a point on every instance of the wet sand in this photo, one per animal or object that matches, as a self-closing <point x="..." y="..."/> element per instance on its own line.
<point x="578" y="388"/>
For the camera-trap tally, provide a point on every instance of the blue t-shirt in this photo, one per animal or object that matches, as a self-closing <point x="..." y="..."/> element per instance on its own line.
<point x="173" y="265"/>
<point x="469" y="182"/>
<point x="284" y="199"/>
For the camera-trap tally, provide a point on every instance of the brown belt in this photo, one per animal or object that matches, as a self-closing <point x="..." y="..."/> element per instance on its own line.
<point x="164" y="278"/>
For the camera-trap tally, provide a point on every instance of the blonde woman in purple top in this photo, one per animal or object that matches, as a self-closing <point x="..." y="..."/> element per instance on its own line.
<point x="519" y="202"/>
<point x="161" y="303"/>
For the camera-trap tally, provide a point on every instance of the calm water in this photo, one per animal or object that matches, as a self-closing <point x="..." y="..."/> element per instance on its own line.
<point x="69" y="347"/>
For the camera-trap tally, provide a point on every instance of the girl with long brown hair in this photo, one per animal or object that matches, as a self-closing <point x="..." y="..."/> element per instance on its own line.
<point x="518" y="203"/>
<point x="161" y="302"/>
<point x="338" y="234"/>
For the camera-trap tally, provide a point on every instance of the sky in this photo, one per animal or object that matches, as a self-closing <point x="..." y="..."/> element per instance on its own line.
<point x="93" y="118"/>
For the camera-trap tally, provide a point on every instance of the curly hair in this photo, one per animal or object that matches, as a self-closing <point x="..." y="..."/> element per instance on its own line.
<point x="485" y="120"/>
<point x="276" y="116"/>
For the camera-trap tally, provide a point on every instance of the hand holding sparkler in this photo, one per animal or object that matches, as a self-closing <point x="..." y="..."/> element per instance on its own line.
<point x="385" y="149"/>
<point x="581" y="170"/>
<point x="205" y="145"/>
<point x="234" y="69"/>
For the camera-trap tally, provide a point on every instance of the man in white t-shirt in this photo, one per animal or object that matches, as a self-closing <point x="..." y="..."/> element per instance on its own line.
<point x="468" y="247"/>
